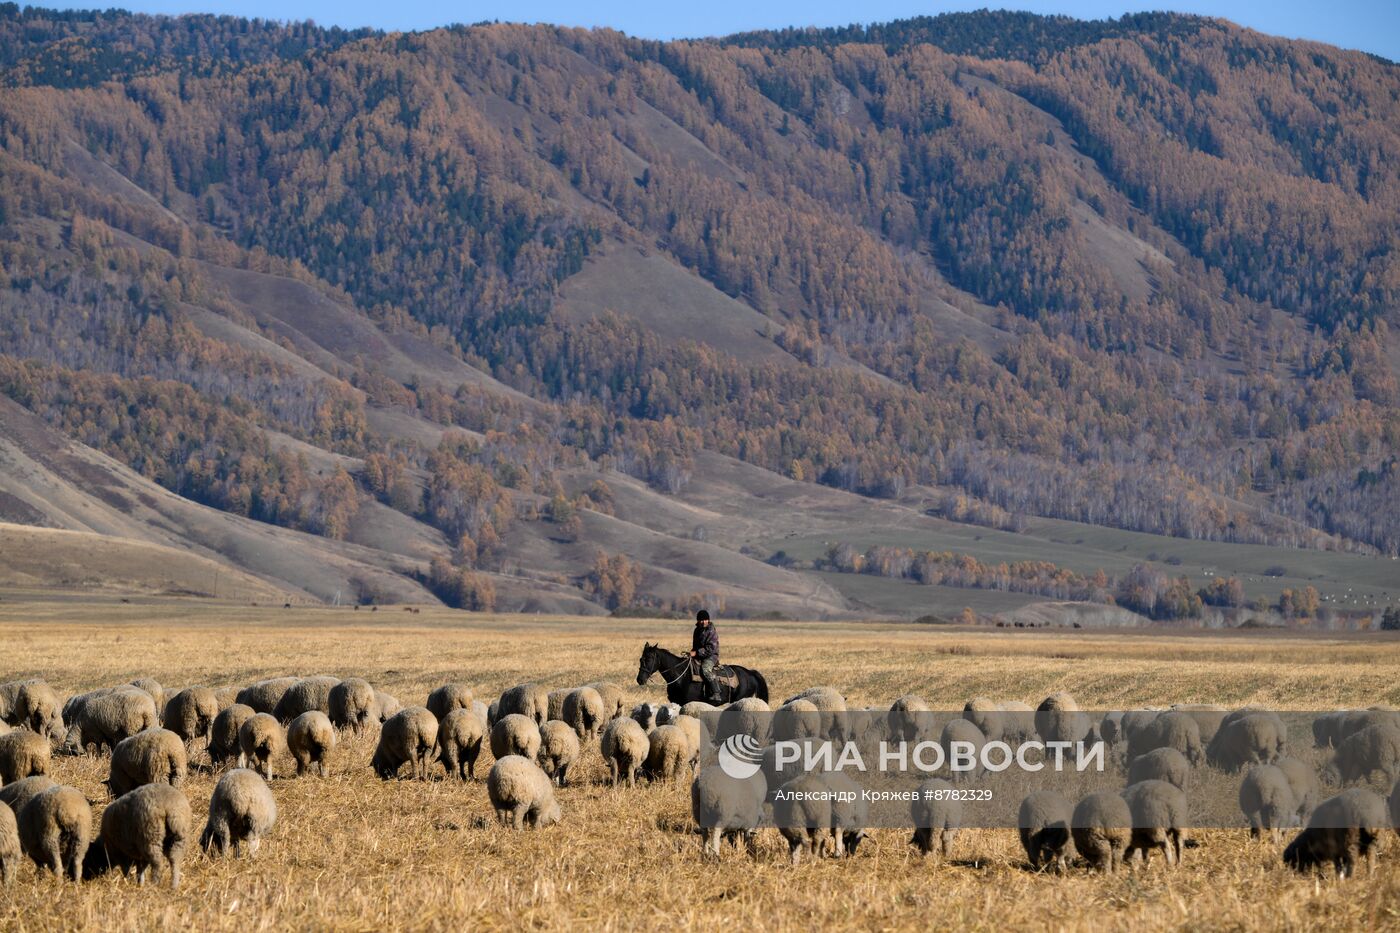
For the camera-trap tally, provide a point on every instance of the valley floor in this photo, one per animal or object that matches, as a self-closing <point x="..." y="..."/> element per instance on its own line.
<point x="352" y="852"/>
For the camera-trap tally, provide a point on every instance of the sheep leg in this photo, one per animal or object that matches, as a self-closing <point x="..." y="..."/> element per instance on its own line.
<point x="518" y="816"/>
<point x="712" y="842"/>
<point x="795" y="847"/>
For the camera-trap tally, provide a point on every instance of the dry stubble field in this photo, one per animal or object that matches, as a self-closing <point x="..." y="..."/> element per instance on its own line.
<point x="352" y="852"/>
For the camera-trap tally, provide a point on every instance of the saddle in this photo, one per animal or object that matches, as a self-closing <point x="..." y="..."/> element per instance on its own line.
<point x="724" y="675"/>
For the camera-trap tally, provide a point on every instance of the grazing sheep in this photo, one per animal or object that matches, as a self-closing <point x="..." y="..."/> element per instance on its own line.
<point x="971" y="739"/>
<point x="1176" y="730"/>
<point x="668" y="753"/>
<point x="1161" y="764"/>
<point x="311" y="739"/>
<point x="109" y="716"/>
<point x="1375" y="748"/>
<point x="459" y="742"/>
<point x="1208" y="718"/>
<point x="1266" y="799"/>
<point x="9" y="844"/>
<point x="583" y="710"/>
<point x="1393" y="802"/>
<point x="1307" y="787"/>
<point x="556" y="703"/>
<point x="152" y="687"/>
<point x="386" y="705"/>
<point x="54" y="830"/>
<point x="1101" y="825"/>
<point x="482" y="710"/>
<point x="223" y="734"/>
<point x="1135" y="719"/>
<point x="559" y="748"/>
<point x="16" y="795"/>
<point x="850" y="812"/>
<point x="352" y="705"/>
<point x="1246" y="740"/>
<point x="156" y="756"/>
<point x="698" y="708"/>
<point x="937" y="819"/>
<point x="33" y="705"/>
<point x="448" y="697"/>
<point x="749" y="716"/>
<point x="697" y="735"/>
<point x="310" y="693"/>
<point x="723" y="806"/>
<point x="1325" y="728"/>
<point x="1017" y="721"/>
<point x="23" y="754"/>
<point x="987" y="716"/>
<point x="260" y="739"/>
<point x="1343" y="829"/>
<point x="515" y="734"/>
<point x="1159" y="814"/>
<point x="797" y="721"/>
<point x="667" y="714"/>
<point x="1043" y="821"/>
<point x="521" y="793"/>
<point x="410" y="736"/>
<point x="146" y="830"/>
<point x="614" y="699"/>
<point x="190" y="713"/>
<point x="1353" y="721"/>
<point x="1111" y="728"/>
<point x="625" y="748"/>
<point x="828" y="701"/>
<point x="241" y="811"/>
<point x="264" y="695"/>
<point x="529" y="700"/>
<point x="1279" y="726"/>
<point x="905" y="717"/>
<point x="225" y="697"/>
<point x="811" y="820"/>
<point x="644" y="715"/>
<point x="493" y="712"/>
<point x="1058" y="719"/>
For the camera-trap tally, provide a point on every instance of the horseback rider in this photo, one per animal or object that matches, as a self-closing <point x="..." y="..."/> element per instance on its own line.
<point x="704" y="647"/>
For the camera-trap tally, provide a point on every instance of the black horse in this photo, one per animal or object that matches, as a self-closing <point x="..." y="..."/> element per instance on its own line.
<point x="680" y="688"/>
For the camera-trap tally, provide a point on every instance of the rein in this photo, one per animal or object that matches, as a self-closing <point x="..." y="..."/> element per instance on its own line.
<point x="684" y="670"/>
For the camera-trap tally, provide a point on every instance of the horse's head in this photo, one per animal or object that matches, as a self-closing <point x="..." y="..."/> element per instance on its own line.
<point x="647" y="665"/>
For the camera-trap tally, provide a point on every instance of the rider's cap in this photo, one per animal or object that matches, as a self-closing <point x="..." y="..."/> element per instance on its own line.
<point x="702" y="616"/>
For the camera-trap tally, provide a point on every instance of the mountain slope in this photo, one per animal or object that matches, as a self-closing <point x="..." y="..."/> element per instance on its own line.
<point x="498" y="311"/>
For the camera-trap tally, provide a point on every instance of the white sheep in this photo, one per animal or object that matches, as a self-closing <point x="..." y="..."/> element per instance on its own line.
<point x="521" y="793"/>
<point x="1159" y="815"/>
<point x="16" y="795"/>
<point x="307" y="694"/>
<point x="668" y="753"/>
<point x="54" y="830"/>
<point x="264" y="695"/>
<point x="9" y="844"/>
<point x="1044" y="824"/>
<point x="515" y="734"/>
<point x="106" y="717"/>
<point x="625" y="747"/>
<point x="1267" y="801"/>
<point x="190" y="713"/>
<point x="613" y="696"/>
<point x="1102" y="827"/>
<point x="146" y="830"/>
<point x="724" y="806"/>
<point x="311" y="739"/>
<point x="448" y="697"/>
<point x="559" y="748"/>
<point x="583" y="710"/>
<point x="223" y="734"/>
<point x="352" y="705"/>
<point x="241" y="811"/>
<point x="261" y="738"/>
<point x="410" y="736"/>
<point x="23" y="754"/>
<point x="460" y="737"/>
<point x="937" y="817"/>
<point x="155" y="756"/>
<point x="529" y="700"/>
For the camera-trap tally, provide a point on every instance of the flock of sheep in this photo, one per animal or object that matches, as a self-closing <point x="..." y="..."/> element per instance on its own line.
<point x="537" y="737"/>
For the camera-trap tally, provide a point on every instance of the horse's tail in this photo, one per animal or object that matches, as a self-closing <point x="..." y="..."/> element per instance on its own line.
<point x="761" y="691"/>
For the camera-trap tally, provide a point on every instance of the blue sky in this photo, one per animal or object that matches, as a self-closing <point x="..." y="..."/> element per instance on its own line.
<point x="1370" y="25"/>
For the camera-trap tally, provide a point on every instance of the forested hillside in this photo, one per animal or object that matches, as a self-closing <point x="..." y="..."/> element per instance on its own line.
<point x="526" y="297"/>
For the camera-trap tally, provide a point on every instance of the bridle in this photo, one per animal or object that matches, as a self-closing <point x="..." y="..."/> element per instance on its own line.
<point x="685" y="671"/>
